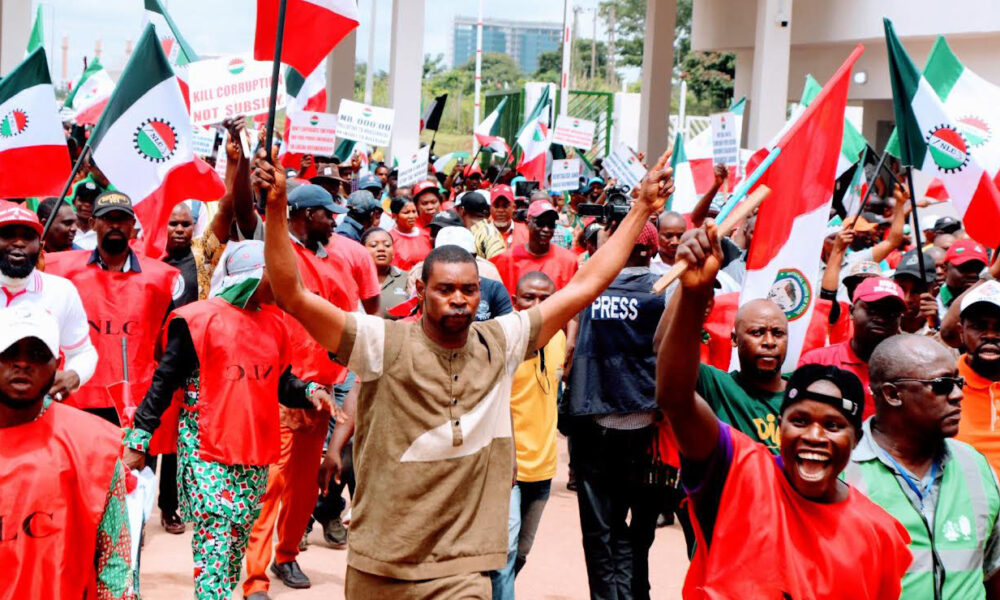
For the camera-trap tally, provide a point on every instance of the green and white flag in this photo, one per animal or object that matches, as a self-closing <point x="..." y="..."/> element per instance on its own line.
<point x="90" y="95"/>
<point x="945" y="119"/>
<point x="37" y="38"/>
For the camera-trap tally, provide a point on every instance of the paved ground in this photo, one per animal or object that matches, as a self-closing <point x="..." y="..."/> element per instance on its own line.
<point x="555" y="568"/>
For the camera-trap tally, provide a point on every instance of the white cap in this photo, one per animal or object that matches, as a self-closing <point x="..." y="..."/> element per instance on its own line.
<point x="988" y="292"/>
<point x="456" y="236"/>
<point x="20" y="322"/>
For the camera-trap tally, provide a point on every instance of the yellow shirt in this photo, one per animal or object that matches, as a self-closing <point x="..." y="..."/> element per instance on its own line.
<point x="533" y="400"/>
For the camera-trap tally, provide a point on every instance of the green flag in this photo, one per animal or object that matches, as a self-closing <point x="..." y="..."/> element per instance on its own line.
<point x="37" y="32"/>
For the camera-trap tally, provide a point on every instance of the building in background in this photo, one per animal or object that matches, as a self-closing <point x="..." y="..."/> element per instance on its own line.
<point x="521" y="40"/>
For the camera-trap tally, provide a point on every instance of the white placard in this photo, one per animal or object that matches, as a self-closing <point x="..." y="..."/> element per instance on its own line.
<point x="313" y="133"/>
<point x="371" y="125"/>
<point x="223" y="88"/>
<point x="625" y="166"/>
<point x="413" y="167"/>
<point x="570" y="131"/>
<point x="566" y="175"/>
<point x="203" y="141"/>
<point x="222" y="158"/>
<point x="725" y="140"/>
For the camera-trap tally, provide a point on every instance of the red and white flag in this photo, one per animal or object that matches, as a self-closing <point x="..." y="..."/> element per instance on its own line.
<point x="534" y="140"/>
<point x="34" y="159"/>
<point x="305" y="94"/>
<point x="783" y="260"/>
<point x="318" y="26"/>
<point x="143" y="143"/>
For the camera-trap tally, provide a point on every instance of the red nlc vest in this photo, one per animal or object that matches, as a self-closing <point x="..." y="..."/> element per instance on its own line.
<point x="129" y="306"/>
<point x="55" y="473"/>
<point x="241" y="356"/>
<point x="791" y="547"/>
<point x="323" y="277"/>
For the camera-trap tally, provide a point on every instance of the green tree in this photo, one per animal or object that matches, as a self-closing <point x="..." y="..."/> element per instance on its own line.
<point x="498" y="71"/>
<point x="550" y="65"/>
<point x="433" y="65"/>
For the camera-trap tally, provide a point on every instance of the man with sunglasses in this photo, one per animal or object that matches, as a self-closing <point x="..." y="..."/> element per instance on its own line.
<point x="539" y="254"/>
<point x="943" y="491"/>
<point x="980" y="366"/>
<point x="878" y="306"/>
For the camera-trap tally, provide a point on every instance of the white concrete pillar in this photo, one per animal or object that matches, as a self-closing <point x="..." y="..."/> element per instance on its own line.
<point x="657" y="69"/>
<point x="340" y="72"/>
<point x="15" y="26"/>
<point x="406" y="68"/>
<point x="769" y="88"/>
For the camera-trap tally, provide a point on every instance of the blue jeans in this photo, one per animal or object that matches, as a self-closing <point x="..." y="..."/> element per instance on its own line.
<point x="527" y="501"/>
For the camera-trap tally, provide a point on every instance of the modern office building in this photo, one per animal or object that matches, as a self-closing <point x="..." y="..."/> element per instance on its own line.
<point x="521" y="40"/>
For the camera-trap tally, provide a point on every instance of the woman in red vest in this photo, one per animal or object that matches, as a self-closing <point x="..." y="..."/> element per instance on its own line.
<point x="63" y="526"/>
<point x="766" y="526"/>
<point x="230" y="355"/>
<point x="411" y="243"/>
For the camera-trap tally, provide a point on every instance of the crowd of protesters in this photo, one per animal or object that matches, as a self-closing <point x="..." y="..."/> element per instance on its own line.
<point x="321" y="329"/>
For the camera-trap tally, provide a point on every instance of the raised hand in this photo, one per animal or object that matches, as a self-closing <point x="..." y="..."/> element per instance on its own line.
<point x="658" y="184"/>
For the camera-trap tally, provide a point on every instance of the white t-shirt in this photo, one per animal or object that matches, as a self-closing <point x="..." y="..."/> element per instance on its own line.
<point x="58" y="296"/>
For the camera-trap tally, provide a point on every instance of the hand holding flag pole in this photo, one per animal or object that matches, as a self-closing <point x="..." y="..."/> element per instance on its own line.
<point x="275" y="74"/>
<point x="741" y="190"/>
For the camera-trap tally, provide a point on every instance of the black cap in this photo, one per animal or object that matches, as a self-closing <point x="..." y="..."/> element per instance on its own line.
<point x="475" y="203"/>
<point x="910" y="265"/>
<point x="310" y="195"/>
<point x="947" y="224"/>
<point x="109" y="202"/>
<point x="874" y="218"/>
<point x="446" y="218"/>
<point x="851" y="403"/>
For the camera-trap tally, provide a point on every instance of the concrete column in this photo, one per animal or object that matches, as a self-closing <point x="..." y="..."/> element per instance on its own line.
<point x="406" y="67"/>
<point x="769" y="88"/>
<point x="657" y="69"/>
<point x="15" y="26"/>
<point x="340" y="72"/>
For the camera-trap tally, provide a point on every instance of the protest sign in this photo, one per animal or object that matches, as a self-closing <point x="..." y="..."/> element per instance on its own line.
<point x="625" y="166"/>
<point x="565" y="175"/>
<point x="223" y="157"/>
<point x="413" y="167"/>
<point x="313" y="133"/>
<point x="203" y="141"/>
<point x="726" y="140"/>
<point x="371" y="125"/>
<point x="570" y="131"/>
<point x="223" y="88"/>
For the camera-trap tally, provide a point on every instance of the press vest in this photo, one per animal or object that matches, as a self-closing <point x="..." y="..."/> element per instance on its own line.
<point x="55" y="473"/>
<point x="966" y="510"/>
<point x="614" y="364"/>
<point x="241" y="356"/>
<point x="120" y="306"/>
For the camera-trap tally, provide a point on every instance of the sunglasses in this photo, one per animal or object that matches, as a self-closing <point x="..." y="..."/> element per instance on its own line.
<point x="939" y="385"/>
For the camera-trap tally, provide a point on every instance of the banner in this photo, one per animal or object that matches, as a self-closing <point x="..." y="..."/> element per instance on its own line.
<point x="203" y="141"/>
<point x="571" y="131"/>
<point x="625" y="166"/>
<point x="726" y="140"/>
<point x="413" y="167"/>
<point x="371" y="125"/>
<point x="566" y="175"/>
<point x="313" y="133"/>
<point x="226" y="87"/>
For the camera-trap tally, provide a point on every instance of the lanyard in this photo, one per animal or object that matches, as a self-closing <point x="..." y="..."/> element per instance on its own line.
<point x="912" y="481"/>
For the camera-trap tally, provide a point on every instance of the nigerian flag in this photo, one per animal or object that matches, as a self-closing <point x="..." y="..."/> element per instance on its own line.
<point x="944" y="118"/>
<point x="487" y="133"/>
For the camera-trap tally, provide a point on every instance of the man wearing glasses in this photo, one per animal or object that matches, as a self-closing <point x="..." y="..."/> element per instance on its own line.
<point x="878" y="305"/>
<point x="943" y="491"/>
<point x="539" y="254"/>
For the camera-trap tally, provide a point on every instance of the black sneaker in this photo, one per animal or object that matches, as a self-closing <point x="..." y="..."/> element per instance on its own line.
<point x="335" y="533"/>
<point x="291" y="575"/>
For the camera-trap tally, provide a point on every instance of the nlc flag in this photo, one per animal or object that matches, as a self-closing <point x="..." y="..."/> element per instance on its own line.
<point x="312" y="29"/>
<point x="91" y="94"/>
<point x="783" y="260"/>
<point x="178" y="52"/>
<point x="34" y="159"/>
<point x="946" y="123"/>
<point x="143" y="143"/>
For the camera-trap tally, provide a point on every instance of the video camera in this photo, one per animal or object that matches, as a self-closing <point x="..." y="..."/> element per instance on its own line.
<point x="616" y="206"/>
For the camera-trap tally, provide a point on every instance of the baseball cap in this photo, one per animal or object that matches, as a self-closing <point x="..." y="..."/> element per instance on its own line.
<point x="446" y="218"/>
<point x="594" y="180"/>
<point x="862" y="224"/>
<point x="986" y="293"/>
<point x="327" y="173"/>
<point x="946" y="224"/>
<point x="313" y="196"/>
<point x="851" y="403"/>
<point x="648" y="236"/>
<point x="874" y="218"/>
<point x="540" y="207"/>
<point x="501" y="191"/>
<point x="473" y="169"/>
<point x="109" y="202"/>
<point x="862" y="268"/>
<point x="370" y="182"/>
<point x="874" y="289"/>
<point x="963" y="251"/>
<point x="362" y="201"/>
<point x="456" y="236"/>
<point x="28" y="321"/>
<point x="426" y="186"/>
<point x="475" y="203"/>
<point x="910" y="265"/>
<point x="12" y="213"/>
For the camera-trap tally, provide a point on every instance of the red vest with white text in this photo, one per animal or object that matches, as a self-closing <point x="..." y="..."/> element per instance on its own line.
<point x="323" y="277"/>
<point x="55" y="473"/>
<point x="129" y="306"/>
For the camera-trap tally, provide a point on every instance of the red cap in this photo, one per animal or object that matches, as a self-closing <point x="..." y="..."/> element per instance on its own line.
<point x="962" y="251"/>
<point x="648" y="237"/>
<point x="501" y="191"/>
<point x="473" y="168"/>
<point x="426" y="186"/>
<point x="540" y="207"/>
<point x="12" y="213"/>
<point x="873" y="289"/>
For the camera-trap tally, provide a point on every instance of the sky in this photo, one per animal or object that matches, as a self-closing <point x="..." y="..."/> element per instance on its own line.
<point x="218" y="27"/>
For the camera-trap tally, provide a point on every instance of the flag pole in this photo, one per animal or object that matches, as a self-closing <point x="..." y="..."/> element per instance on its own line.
<point x="871" y="186"/>
<point x="62" y="197"/>
<point x="741" y="191"/>
<point x="916" y="223"/>
<point x="275" y="74"/>
<point x="506" y="160"/>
